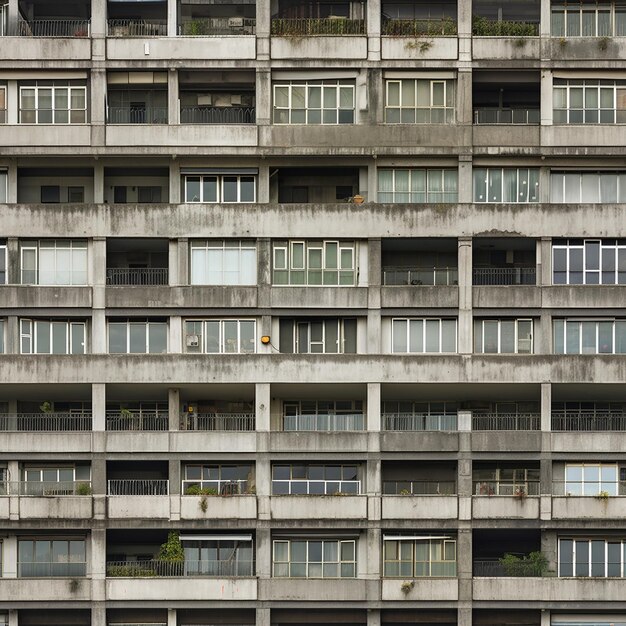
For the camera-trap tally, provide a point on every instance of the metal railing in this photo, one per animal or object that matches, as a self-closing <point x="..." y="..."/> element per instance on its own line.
<point x="52" y="28"/>
<point x="3" y="116"/>
<point x="171" y="569"/>
<point x="419" y="422"/>
<point x="211" y="26"/>
<point x="214" y="487"/>
<point x="136" y="28"/>
<point x="315" y="487"/>
<point x="421" y="276"/>
<point x="507" y="116"/>
<point x="217" y="115"/>
<point x="324" y="422"/>
<point x="306" y="26"/>
<point x="45" y="422"/>
<point x="219" y="421"/>
<point x="490" y="568"/>
<point x="137" y="115"/>
<point x="507" y="421"/>
<point x="485" y="27"/>
<point x="138" y="487"/>
<point x="47" y="569"/>
<point x="47" y="488"/>
<point x="141" y="421"/>
<point x="442" y="27"/>
<point x="593" y="421"/>
<point x="419" y="487"/>
<point x="137" y="276"/>
<point x="518" y="489"/>
<point x="504" y="276"/>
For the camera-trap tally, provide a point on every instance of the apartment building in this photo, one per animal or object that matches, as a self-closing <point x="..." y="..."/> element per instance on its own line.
<point x="312" y="313"/>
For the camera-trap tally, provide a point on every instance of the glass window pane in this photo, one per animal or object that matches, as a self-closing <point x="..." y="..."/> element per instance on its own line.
<point x="137" y="337"/>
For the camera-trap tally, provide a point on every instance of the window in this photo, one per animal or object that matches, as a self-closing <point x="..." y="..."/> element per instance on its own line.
<point x="323" y="415"/>
<point x="323" y="336"/>
<point x="39" y="558"/>
<point x="589" y="101"/>
<point x="590" y="479"/>
<point x="3" y="264"/>
<point x="54" y="262"/>
<point x="215" y="188"/>
<point x="419" y="557"/>
<point x="148" y="194"/>
<point x="589" y="336"/>
<point x="314" y="102"/>
<point x="312" y="263"/>
<point x="137" y="337"/>
<point x="314" y="558"/>
<point x="318" y="480"/>
<point x="508" y="184"/>
<point x="586" y="620"/>
<point x="423" y="335"/>
<point x="419" y="101"/>
<point x="219" y="479"/>
<point x="596" y="187"/>
<point x="53" y="104"/>
<point x="220" y="336"/>
<point x="586" y="19"/>
<point x="48" y="481"/>
<point x="500" y="481"/>
<point x="218" y="555"/>
<point x="3" y="91"/>
<point x="597" y="557"/>
<point x="589" y="261"/>
<point x="503" y="336"/>
<point x="418" y="416"/>
<point x="418" y="185"/>
<point x="223" y="262"/>
<point x="52" y="337"/>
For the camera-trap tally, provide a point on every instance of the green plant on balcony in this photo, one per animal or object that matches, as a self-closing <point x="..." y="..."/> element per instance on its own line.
<point x="404" y="492"/>
<point x="406" y="586"/>
<point x="46" y="407"/>
<point x="603" y="43"/>
<point x="445" y="27"/>
<point x="172" y="550"/>
<point x="196" y="490"/>
<point x="130" y="571"/>
<point x="83" y="489"/>
<point x="483" y="27"/>
<point x="533" y="564"/>
<point x="603" y="495"/>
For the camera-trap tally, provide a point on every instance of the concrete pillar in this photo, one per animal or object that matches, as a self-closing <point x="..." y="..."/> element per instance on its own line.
<point x="175" y="190"/>
<point x="369" y="566"/>
<point x="374" y="262"/>
<point x="98" y="96"/>
<point x="175" y="334"/>
<point x="172" y="19"/>
<point x="464" y="562"/>
<point x="464" y="112"/>
<point x="173" y="408"/>
<point x="14" y="276"/>
<point x="263" y="92"/>
<point x="263" y="184"/>
<point x="263" y="553"/>
<point x="262" y="402"/>
<point x="173" y="102"/>
<point x="12" y="102"/>
<point x="545" y="18"/>
<point x="546" y="407"/>
<point x="99" y="475"/>
<point x="9" y="557"/>
<point x="183" y="261"/>
<point x="98" y="553"/>
<point x="12" y="15"/>
<point x="372" y="23"/>
<point x="12" y="183"/>
<point x="98" y="332"/>
<point x="13" y="475"/>
<point x="544" y="184"/>
<point x="546" y="261"/>
<point x="373" y="478"/>
<point x="98" y="182"/>
<point x="546" y="98"/>
<point x="373" y="617"/>
<point x="98" y="18"/>
<point x="549" y="546"/>
<point x="263" y="617"/>
<point x="174" y="476"/>
<point x="98" y="406"/>
<point x="464" y="29"/>
<point x="263" y="25"/>
<point x="465" y="296"/>
<point x="263" y="479"/>
<point x="98" y="614"/>
<point x="172" y="263"/>
<point x="12" y="336"/>
<point x="372" y="181"/>
<point x="264" y="261"/>
<point x="542" y="334"/>
<point x="374" y="333"/>
<point x="13" y="621"/>
<point x="545" y="617"/>
<point x="464" y="616"/>
<point x="373" y="407"/>
<point x="466" y="183"/>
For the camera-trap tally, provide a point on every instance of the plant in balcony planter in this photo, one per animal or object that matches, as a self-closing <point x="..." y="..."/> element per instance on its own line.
<point x="533" y="564"/>
<point x="404" y="492"/>
<point x="172" y="550"/>
<point x="603" y="495"/>
<point x="406" y="586"/>
<point x="46" y="407"/>
<point x="83" y="489"/>
<point x="520" y="494"/>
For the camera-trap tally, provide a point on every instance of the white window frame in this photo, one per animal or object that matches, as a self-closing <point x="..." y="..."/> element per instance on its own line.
<point x="147" y="324"/>
<point x="337" y="84"/>
<point x="54" y="88"/>
<point x="614" y="86"/>
<point x="442" y="542"/>
<point x="429" y="194"/>
<point x="424" y="321"/>
<point x="575" y="540"/>
<point x="219" y="182"/>
<point x="203" y="347"/>
<point x="582" y="482"/>
<point x="597" y="322"/>
<point x="4" y="257"/>
<point x="614" y="246"/>
<point x="340" y="543"/>
<point x="479" y="326"/>
<point x="448" y="112"/>
<point x="207" y="483"/>
<point x="29" y="330"/>
<point x="298" y="349"/>
<point x="56" y="245"/>
<point x="576" y="11"/>
<point x="331" y="487"/>
<point x="205" y="246"/>
<point x="560" y="181"/>
<point x="488" y="174"/>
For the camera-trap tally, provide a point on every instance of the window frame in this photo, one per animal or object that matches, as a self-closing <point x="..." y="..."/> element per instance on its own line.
<point x="569" y="8"/>
<point x="599" y="466"/>
<point x="29" y="329"/>
<point x="204" y="245"/>
<point x="340" y="562"/>
<point x="588" y="85"/>
<point x="68" y="89"/>
<point x="220" y="180"/>
<point x="480" y="336"/>
<point x="448" y="112"/>
<point x="489" y="173"/>
<point x="590" y="563"/>
<point x="558" y="187"/>
<point x="204" y="341"/>
<point x="133" y="322"/>
<point x="429" y="195"/>
<point x="424" y="320"/>
<point x="581" y="246"/>
<point x="4" y="264"/>
<point x="57" y="247"/>
<point x="565" y="321"/>
<point x="331" y="486"/>
<point x="439" y="542"/>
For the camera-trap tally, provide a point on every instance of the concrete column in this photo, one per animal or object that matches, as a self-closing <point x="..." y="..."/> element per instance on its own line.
<point x="13" y="13"/>
<point x="99" y="475"/>
<point x="98" y="182"/>
<point x="98" y="614"/>
<point x="263" y="478"/>
<point x="98" y="96"/>
<point x="545" y="617"/>
<point x="464" y="97"/>
<point x="546" y="477"/>
<point x="369" y="567"/>
<point x="464" y="28"/>
<point x="98" y="332"/>
<point x="263" y="184"/>
<point x="175" y="190"/>
<point x="263" y="553"/>
<point x="12" y="183"/>
<point x="546" y="407"/>
<point x="464" y="562"/>
<point x="173" y="102"/>
<point x="13" y="617"/>
<point x="264" y="262"/>
<point x="465" y="296"/>
<point x="9" y="557"/>
<point x="98" y="18"/>
<point x="12" y="102"/>
<point x="373" y="407"/>
<point x="98" y="553"/>
<point x="546" y="261"/>
<point x="263" y="25"/>
<point x="99" y="264"/>
<point x="175" y="334"/>
<point x="183" y="261"/>
<point x="542" y="334"/>
<point x="464" y="616"/>
<point x="373" y="478"/>
<point x="98" y="406"/>
<point x="174" y="476"/>
<point x="466" y="183"/>
<point x="544" y="184"/>
<point x="173" y="408"/>
<point x="372" y="181"/>
<point x="374" y="262"/>
<point x="172" y="19"/>
<point x="262" y="402"/>
<point x="14" y="262"/>
<point x="12" y="336"/>
<point x="263" y="617"/>
<point x="545" y="18"/>
<point x="172" y="262"/>
<point x="373" y="617"/>
<point x="373" y="10"/>
<point x="546" y="98"/>
<point x="374" y="333"/>
<point x="263" y="91"/>
<point x="549" y="545"/>
<point x="13" y="473"/>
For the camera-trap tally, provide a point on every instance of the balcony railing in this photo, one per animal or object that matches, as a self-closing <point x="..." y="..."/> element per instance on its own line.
<point x="504" y="276"/>
<point x="443" y="27"/>
<point x="419" y="422"/>
<point x="46" y="569"/>
<point x="507" y="421"/>
<point x="137" y="276"/>
<point x="324" y="422"/>
<point x="137" y="115"/>
<point x="136" y="28"/>
<point x="138" y="487"/>
<point x="421" y="276"/>
<point x="507" y="116"/>
<point x="48" y="488"/>
<point x="306" y="26"/>
<point x="45" y="422"/>
<point x="175" y="569"/>
<point x="212" y="26"/>
<point x="519" y="489"/>
<point x="217" y="115"/>
<point x="3" y="116"/>
<point x="52" y="28"/>
<point x="315" y="487"/>
<point x="419" y="487"/>
<point x="116" y="420"/>
<point x="577" y="421"/>
<point x="215" y="487"/>
<point x="490" y="568"/>
<point x="589" y="488"/>
<point x="484" y="27"/>
<point x="220" y="421"/>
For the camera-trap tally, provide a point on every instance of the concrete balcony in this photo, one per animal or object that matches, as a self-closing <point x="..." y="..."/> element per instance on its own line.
<point x="505" y="507"/>
<point x="50" y="48"/>
<point x="27" y="296"/>
<point x="319" y="47"/>
<point x="233" y="47"/>
<point x="55" y="507"/>
<point x="408" y="48"/>
<point x="53" y="135"/>
<point x="506" y="135"/>
<point x="420" y="296"/>
<point x="611" y="138"/>
<point x="510" y="440"/>
<point x="5" y="507"/>
<point x="185" y="588"/>
<point x="506" y="297"/>
<point x="317" y="589"/>
<point x="419" y="507"/>
<point x="45" y="589"/>
<point x="136" y="441"/>
<point x="318" y="507"/>
<point x="218" y="507"/>
<point x="319" y="297"/>
<point x="138" y="507"/>
<point x="548" y="589"/>
<point x="506" y="48"/>
<point x="587" y="443"/>
<point x="427" y="441"/>
<point x="46" y="442"/>
<point x="316" y="441"/>
<point x="586" y="48"/>
<point x="424" y="589"/>
<point x="212" y="441"/>
<point x="587" y="296"/>
<point x="580" y="507"/>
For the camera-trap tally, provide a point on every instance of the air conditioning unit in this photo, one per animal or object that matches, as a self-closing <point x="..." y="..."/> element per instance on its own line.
<point x="192" y="341"/>
<point x="235" y="22"/>
<point x="235" y="99"/>
<point x="205" y="99"/>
